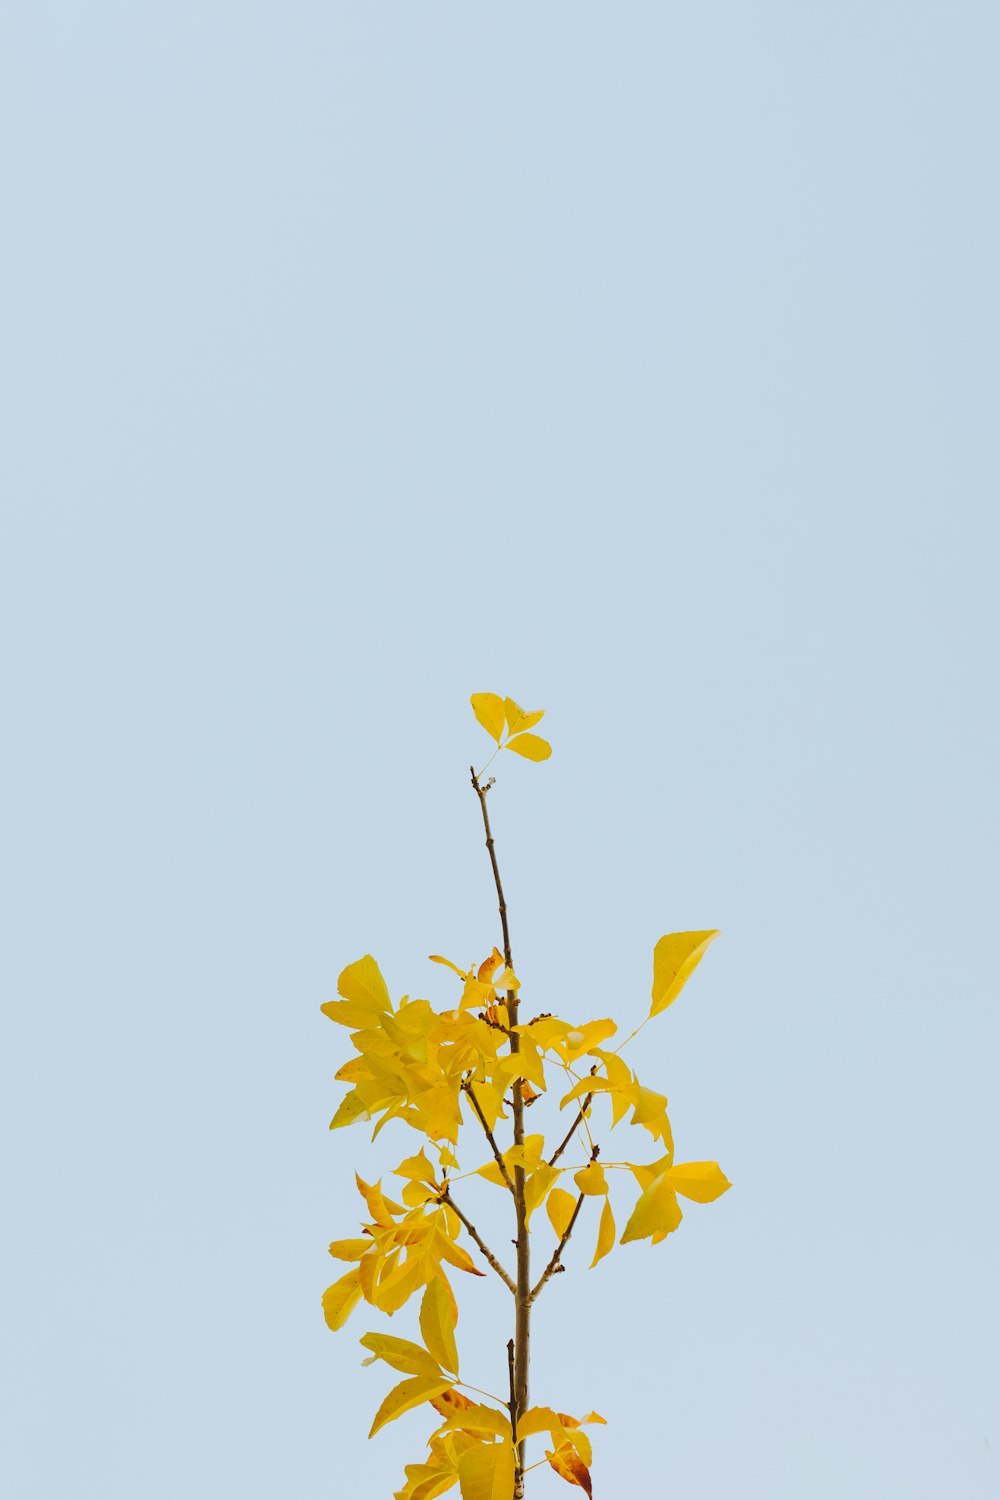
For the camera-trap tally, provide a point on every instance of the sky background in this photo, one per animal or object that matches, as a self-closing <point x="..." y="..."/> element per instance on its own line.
<point x="640" y="362"/>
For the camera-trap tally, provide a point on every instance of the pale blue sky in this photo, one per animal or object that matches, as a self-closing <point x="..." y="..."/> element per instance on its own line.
<point x="638" y="361"/>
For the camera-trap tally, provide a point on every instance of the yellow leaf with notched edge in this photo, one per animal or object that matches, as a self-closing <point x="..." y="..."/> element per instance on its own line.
<point x="531" y="746"/>
<point x="701" y="1181"/>
<point x="559" y="1206"/>
<point x="437" y="1325"/>
<point x="402" y="1354"/>
<point x="657" y="1212"/>
<point x="486" y="1472"/>
<point x="605" y="1233"/>
<point x="570" y="1466"/>
<point x="517" y="719"/>
<point x="406" y="1395"/>
<point x="675" y="958"/>
<point x="340" y="1300"/>
<point x="489" y="710"/>
<point x="417" y="1168"/>
<point x="590" y="1180"/>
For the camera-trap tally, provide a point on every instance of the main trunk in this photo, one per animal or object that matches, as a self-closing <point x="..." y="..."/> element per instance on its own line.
<point x="522" y="1301"/>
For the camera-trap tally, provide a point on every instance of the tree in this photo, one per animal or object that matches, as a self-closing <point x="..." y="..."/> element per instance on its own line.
<point x="440" y="1072"/>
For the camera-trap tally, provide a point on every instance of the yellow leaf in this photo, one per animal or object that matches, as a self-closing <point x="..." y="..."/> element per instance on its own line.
<point x="656" y="1212"/>
<point x="543" y="1419"/>
<point x="570" y="1466"/>
<point x="489" y="710"/>
<point x="437" y="1325"/>
<point x="489" y="966"/>
<point x="701" y="1181"/>
<point x="560" y="1206"/>
<point x="399" y="1286"/>
<point x="417" y="1168"/>
<point x="352" y="1107"/>
<point x="537" y="1186"/>
<point x="340" y="1300"/>
<point x="455" y="1255"/>
<point x="449" y="1402"/>
<point x="362" y="983"/>
<point x="675" y="958"/>
<point x="486" y="1472"/>
<point x="401" y="1354"/>
<point x="517" y="719"/>
<point x="590" y="1180"/>
<point x="350" y="1249"/>
<point x="436" y="958"/>
<point x="378" y="1207"/>
<point x="531" y="746"/>
<point x="605" y="1233"/>
<point x="479" y="1418"/>
<point x="353" y="1070"/>
<point x="406" y="1395"/>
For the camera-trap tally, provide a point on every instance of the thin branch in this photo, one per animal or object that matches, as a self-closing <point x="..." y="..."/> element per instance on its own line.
<point x="467" y="1087"/>
<point x="572" y="1129"/>
<point x="474" y="1232"/>
<point x="481" y="794"/>
<point x="554" y="1264"/>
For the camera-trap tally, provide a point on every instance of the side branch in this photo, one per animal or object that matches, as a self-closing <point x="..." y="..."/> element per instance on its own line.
<point x="571" y="1131"/>
<point x="555" y="1264"/>
<point x="474" y="1232"/>
<point x="498" y="1154"/>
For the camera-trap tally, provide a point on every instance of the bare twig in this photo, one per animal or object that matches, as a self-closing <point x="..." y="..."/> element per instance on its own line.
<point x="481" y="794"/>
<point x="554" y="1264"/>
<point x="474" y="1232"/>
<point x="467" y="1088"/>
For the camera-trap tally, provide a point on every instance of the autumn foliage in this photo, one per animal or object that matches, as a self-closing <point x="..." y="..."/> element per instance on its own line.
<point x="462" y="1078"/>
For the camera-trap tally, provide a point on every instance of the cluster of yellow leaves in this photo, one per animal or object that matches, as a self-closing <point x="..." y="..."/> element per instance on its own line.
<point x="412" y="1061"/>
<point x="474" y="1447"/>
<point x="508" y="722"/>
<point x="401" y="1249"/>
<point x="416" y="1064"/>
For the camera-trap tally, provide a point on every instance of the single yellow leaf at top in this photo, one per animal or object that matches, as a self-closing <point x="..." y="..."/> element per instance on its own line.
<point x="559" y="1206"/>
<point x="486" y="1472"/>
<point x="489" y="710"/>
<point x="675" y="958"/>
<point x="531" y="746"/>
<point x="362" y="983"/>
<point x="518" y="719"/>
<point x="437" y="1325"/>
<point x="605" y="1234"/>
<point x="701" y="1181"/>
<point x="406" y="1395"/>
